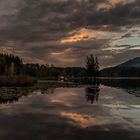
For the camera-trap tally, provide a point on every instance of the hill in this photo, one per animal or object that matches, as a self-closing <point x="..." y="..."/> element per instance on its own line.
<point x="130" y="68"/>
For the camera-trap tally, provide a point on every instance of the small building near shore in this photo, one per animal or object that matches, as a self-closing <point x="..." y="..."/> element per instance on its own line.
<point x="61" y="78"/>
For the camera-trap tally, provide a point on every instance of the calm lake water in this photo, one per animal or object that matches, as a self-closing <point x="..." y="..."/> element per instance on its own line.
<point x="70" y="113"/>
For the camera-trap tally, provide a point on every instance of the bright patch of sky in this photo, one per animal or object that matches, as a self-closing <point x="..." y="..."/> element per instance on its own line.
<point x="135" y="48"/>
<point x="115" y="48"/>
<point x="121" y="39"/>
<point x="129" y="41"/>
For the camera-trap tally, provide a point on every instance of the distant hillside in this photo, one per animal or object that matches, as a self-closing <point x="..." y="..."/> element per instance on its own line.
<point x="135" y="63"/>
<point x="130" y="68"/>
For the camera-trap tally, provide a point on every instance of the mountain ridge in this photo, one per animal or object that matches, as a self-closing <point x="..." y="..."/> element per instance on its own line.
<point x="129" y="68"/>
<point x="135" y="62"/>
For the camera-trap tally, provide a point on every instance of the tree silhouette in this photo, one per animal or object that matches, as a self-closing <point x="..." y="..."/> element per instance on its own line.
<point x="92" y="66"/>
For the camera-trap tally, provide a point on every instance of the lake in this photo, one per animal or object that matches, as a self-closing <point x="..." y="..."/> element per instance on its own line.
<point x="70" y="113"/>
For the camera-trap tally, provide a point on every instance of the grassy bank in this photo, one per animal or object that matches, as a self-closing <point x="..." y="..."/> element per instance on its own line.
<point x="69" y="82"/>
<point x="18" y="81"/>
<point x="84" y="80"/>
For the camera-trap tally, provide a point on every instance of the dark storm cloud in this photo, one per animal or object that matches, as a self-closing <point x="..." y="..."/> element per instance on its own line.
<point x="121" y="57"/>
<point x="35" y="29"/>
<point x="41" y="20"/>
<point x="61" y="54"/>
<point x="46" y="20"/>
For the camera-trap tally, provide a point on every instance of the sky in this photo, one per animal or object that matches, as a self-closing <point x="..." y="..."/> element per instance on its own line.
<point x="64" y="32"/>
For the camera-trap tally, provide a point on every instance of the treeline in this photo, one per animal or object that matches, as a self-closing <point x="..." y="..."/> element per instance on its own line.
<point x="52" y="72"/>
<point x="11" y="65"/>
<point x="121" y="72"/>
<point x="130" y="68"/>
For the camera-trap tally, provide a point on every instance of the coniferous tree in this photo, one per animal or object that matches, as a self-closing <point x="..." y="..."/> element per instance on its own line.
<point x="92" y="66"/>
<point x="97" y="66"/>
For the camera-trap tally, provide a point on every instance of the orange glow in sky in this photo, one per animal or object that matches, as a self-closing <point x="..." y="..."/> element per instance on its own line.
<point x="112" y="3"/>
<point x="6" y="50"/>
<point x="82" y="34"/>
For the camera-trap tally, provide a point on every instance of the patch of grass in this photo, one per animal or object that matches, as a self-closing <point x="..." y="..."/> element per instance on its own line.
<point x="18" y="81"/>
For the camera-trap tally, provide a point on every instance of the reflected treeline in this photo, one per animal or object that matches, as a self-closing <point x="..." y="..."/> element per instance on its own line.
<point x="12" y="95"/>
<point x="135" y="92"/>
<point x="132" y="86"/>
<point x="8" y="100"/>
<point x="92" y="93"/>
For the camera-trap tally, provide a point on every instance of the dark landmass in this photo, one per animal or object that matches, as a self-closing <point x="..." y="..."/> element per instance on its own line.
<point x="130" y="68"/>
<point x="13" y="72"/>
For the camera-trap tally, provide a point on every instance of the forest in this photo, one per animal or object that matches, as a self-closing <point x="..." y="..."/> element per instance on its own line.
<point x="11" y="65"/>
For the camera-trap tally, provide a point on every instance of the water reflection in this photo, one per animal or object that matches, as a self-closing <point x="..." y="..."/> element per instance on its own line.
<point x="12" y="95"/>
<point x="92" y="94"/>
<point x="135" y="92"/>
<point x="131" y="86"/>
<point x="63" y="113"/>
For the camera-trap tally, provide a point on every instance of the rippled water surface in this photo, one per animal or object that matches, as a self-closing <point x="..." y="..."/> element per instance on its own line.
<point x="70" y="113"/>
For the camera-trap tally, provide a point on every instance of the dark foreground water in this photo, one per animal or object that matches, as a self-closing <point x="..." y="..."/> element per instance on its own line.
<point x="70" y="113"/>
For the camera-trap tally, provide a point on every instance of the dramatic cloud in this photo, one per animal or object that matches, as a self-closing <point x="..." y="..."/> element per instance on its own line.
<point x="63" y="32"/>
